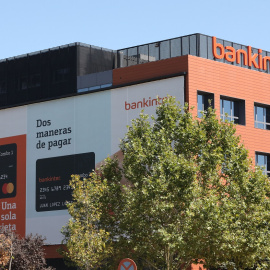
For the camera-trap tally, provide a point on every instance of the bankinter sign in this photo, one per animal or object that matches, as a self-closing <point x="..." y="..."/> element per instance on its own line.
<point x="232" y="55"/>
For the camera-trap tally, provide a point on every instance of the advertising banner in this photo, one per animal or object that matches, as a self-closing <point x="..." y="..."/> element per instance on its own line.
<point x="12" y="182"/>
<point x="43" y="144"/>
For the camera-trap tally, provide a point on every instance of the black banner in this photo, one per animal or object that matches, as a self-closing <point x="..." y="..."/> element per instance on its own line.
<point x="8" y="170"/>
<point x="53" y="176"/>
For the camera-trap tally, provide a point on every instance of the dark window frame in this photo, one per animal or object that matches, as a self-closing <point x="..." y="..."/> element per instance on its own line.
<point x="3" y="87"/>
<point x="266" y="167"/>
<point x="34" y="80"/>
<point x="23" y="83"/>
<point x="61" y="75"/>
<point x="206" y="96"/>
<point x="265" y="124"/>
<point x="237" y="110"/>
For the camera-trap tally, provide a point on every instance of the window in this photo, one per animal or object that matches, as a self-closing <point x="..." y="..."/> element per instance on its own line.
<point x="34" y="80"/>
<point x="3" y="87"/>
<point x="23" y="83"/>
<point x="261" y="117"/>
<point x="263" y="161"/>
<point x="61" y="74"/>
<point x="203" y="104"/>
<point x="232" y="110"/>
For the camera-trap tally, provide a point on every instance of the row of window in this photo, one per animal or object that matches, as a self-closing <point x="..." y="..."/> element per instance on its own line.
<point x="233" y="110"/>
<point x="34" y="80"/>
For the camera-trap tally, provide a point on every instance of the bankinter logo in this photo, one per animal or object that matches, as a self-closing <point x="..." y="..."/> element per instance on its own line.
<point x="144" y="103"/>
<point x="232" y="55"/>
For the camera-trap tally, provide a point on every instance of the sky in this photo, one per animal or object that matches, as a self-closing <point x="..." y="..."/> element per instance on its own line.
<point x="33" y="25"/>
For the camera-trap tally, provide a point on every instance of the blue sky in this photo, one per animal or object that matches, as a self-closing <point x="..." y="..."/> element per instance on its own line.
<point x="33" y="25"/>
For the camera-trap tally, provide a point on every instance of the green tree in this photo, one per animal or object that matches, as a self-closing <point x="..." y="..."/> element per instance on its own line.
<point x="84" y="238"/>
<point x="186" y="193"/>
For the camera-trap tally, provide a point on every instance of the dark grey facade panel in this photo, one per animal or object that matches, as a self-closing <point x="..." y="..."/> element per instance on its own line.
<point x="263" y="55"/>
<point x="238" y="47"/>
<point x="38" y="76"/>
<point x="193" y="45"/>
<point x="185" y="45"/>
<point x="203" y="48"/>
<point x="94" y="79"/>
<point x="254" y="51"/>
<point x="268" y="69"/>
<point x="92" y="59"/>
<point x="218" y="50"/>
<point x="176" y="47"/>
<point x="210" y="49"/>
<point x="227" y="43"/>
<point x="165" y="49"/>
<point x="50" y="73"/>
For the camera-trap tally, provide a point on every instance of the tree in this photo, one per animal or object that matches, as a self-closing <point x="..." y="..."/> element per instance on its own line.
<point x="186" y="193"/>
<point x="21" y="253"/>
<point x="84" y="239"/>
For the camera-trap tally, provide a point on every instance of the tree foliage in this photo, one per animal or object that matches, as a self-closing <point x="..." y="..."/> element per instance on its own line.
<point x="186" y="193"/>
<point x="22" y="253"/>
<point x="86" y="239"/>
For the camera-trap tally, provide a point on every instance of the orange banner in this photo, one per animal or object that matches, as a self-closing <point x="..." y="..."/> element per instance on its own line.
<point x="13" y="183"/>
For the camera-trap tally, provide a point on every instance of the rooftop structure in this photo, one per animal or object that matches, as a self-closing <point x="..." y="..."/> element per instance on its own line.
<point x="77" y="67"/>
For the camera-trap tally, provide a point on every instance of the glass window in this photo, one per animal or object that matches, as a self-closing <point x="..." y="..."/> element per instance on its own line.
<point x="3" y="87"/>
<point x="229" y="110"/>
<point x="123" y="58"/>
<point x="164" y="49"/>
<point x="261" y="117"/>
<point x="185" y="45"/>
<point x="203" y="46"/>
<point x="204" y="100"/>
<point x="193" y="45"/>
<point x="176" y="47"/>
<point x="23" y="83"/>
<point x="143" y="54"/>
<point x="263" y="161"/>
<point x="154" y="51"/>
<point x="34" y="80"/>
<point x="61" y="74"/>
<point x="200" y="105"/>
<point x="209" y="49"/>
<point x="132" y="56"/>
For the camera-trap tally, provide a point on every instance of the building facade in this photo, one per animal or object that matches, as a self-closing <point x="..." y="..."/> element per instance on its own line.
<point x="65" y="109"/>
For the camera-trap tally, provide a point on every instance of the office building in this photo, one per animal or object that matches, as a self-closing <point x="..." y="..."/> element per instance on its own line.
<point x="63" y="110"/>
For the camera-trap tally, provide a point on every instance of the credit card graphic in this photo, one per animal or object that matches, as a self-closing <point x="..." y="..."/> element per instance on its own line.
<point x="53" y="176"/>
<point x="8" y="170"/>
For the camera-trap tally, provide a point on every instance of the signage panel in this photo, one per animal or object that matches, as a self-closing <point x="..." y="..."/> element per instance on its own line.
<point x="63" y="137"/>
<point x="8" y="170"/>
<point x="52" y="179"/>
<point x="13" y="183"/>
